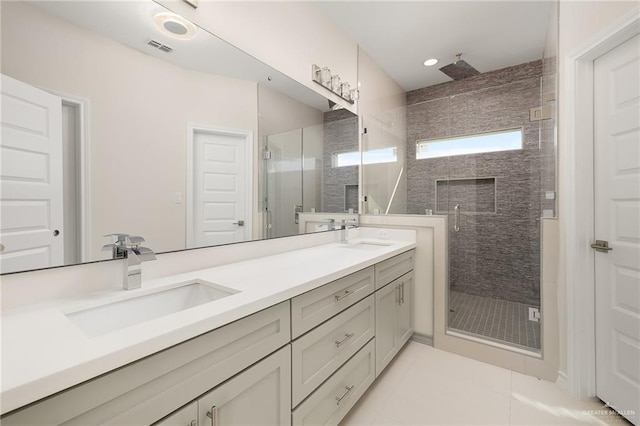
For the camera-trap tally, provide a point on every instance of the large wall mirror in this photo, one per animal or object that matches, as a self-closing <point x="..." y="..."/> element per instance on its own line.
<point x="112" y="125"/>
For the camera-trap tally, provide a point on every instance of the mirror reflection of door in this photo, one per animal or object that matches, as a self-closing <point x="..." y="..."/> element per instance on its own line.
<point x="219" y="186"/>
<point x="31" y="179"/>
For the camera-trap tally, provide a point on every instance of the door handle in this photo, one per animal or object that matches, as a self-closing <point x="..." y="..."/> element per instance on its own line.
<point x="343" y="295"/>
<point x="602" y="246"/>
<point x="239" y="223"/>
<point x="347" y="336"/>
<point x="344" y="395"/>
<point x="456" y="218"/>
<point x="213" y="415"/>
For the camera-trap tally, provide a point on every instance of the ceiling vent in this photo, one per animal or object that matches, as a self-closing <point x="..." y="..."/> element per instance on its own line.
<point x="160" y="46"/>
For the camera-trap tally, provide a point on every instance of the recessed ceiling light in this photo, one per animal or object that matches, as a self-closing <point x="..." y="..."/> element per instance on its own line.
<point x="430" y="62"/>
<point x="175" y="26"/>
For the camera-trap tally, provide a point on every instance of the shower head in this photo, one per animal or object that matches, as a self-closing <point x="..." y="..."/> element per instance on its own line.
<point x="459" y="69"/>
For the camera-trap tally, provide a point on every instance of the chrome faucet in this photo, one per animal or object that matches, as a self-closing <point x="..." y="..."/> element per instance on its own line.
<point x="346" y="224"/>
<point x="128" y="247"/>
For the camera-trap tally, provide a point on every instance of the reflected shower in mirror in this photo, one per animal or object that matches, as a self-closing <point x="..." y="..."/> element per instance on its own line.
<point x="156" y="136"/>
<point x="301" y="171"/>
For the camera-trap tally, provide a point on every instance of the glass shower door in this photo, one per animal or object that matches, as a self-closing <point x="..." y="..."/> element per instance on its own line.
<point x="284" y="183"/>
<point x="491" y="195"/>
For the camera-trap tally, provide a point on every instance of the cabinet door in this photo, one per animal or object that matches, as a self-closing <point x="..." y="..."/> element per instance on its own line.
<point x="186" y="416"/>
<point x="386" y="341"/>
<point x="405" y="310"/>
<point x="260" y="395"/>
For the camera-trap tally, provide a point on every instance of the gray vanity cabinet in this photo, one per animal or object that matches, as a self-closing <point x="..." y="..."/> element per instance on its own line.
<point x="149" y="389"/>
<point x="260" y="395"/>
<point x="394" y="313"/>
<point x="256" y="370"/>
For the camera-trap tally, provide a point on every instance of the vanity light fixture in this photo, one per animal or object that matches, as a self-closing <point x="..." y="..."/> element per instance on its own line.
<point x="323" y="77"/>
<point x="430" y="62"/>
<point x="175" y="26"/>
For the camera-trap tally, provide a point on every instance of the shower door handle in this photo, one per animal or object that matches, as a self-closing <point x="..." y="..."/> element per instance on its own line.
<point x="297" y="209"/>
<point x="456" y="218"/>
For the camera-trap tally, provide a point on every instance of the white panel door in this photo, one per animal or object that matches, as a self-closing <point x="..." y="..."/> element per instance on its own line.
<point x="30" y="178"/>
<point x="617" y="219"/>
<point x="221" y="204"/>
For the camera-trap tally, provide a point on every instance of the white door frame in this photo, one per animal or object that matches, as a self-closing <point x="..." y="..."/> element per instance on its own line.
<point x="577" y="202"/>
<point x="192" y="128"/>
<point x="83" y="161"/>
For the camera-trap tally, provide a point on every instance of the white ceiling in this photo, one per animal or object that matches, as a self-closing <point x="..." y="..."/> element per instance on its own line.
<point x="401" y="35"/>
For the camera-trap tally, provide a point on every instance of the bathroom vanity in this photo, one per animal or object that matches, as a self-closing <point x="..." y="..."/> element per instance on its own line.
<point x="298" y="339"/>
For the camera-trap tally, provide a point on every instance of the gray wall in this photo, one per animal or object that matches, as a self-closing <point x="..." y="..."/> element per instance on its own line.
<point x="340" y="183"/>
<point x="496" y="253"/>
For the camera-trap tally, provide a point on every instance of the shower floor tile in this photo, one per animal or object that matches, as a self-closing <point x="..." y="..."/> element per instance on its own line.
<point x="500" y="320"/>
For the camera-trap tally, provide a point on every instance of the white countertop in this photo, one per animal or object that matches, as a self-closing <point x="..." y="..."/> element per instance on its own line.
<point x="43" y="352"/>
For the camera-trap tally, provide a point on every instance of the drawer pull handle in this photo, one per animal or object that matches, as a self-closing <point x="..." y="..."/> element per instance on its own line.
<point x="343" y="295"/>
<point x="402" y="293"/>
<point x="346" y="337"/>
<point x="193" y="423"/>
<point x="213" y="415"/>
<point x="344" y="395"/>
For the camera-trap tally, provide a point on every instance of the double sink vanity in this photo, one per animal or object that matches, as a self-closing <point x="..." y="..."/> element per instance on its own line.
<point x="290" y="338"/>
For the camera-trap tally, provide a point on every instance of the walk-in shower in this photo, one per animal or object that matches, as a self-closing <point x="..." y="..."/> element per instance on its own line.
<point x="478" y="153"/>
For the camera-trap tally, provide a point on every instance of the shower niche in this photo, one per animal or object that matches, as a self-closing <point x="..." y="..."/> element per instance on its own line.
<point x="471" y="195"/>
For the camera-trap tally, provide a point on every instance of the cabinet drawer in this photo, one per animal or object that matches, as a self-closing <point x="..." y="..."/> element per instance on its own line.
<point x="149" y="389"/>
<point x="317" y="354"/>
<point x="390" y="269"/>
<point x="333" y="400"/>
<point x="314" y="307"/>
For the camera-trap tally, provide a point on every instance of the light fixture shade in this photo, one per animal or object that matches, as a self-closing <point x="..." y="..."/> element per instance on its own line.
<point x="175" y="26"/>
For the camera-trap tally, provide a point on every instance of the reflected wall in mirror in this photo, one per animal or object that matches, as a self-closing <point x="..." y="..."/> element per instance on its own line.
<point x="156" y="136"/>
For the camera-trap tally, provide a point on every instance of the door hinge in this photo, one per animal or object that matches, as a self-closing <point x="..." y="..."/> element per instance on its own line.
<point x="266" y="155"/>
<point x="534" y="314"/>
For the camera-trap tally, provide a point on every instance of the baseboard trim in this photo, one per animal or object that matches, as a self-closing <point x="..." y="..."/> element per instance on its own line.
<point x="422" y="338"/>
<point x="562" y="380"/>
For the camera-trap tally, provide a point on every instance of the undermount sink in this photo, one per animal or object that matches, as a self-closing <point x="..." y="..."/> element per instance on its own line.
<point x="125" y="313"/>
<point x="367" y="245"/>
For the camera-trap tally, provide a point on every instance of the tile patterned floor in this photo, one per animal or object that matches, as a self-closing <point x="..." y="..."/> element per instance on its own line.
<point x="496" y="319"/>
<point x="427" y="386"/>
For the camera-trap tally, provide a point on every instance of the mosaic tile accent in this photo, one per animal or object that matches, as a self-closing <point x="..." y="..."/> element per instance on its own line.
<point x="501" y="320"/>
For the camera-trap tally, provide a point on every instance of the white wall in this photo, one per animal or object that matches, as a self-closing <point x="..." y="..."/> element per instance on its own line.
<point x="137" y="137"/>
<point x="289" y="36"/>
<point x="579" y="22"/>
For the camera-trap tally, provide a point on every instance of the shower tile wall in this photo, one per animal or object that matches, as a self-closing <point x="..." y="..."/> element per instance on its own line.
<point x="340" y="135"/>
<point x="495" y="254"/>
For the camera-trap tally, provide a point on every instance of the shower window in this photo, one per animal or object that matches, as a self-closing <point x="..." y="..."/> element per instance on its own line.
<point x="505" y="140"/>
<point x="375" y="156"/>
